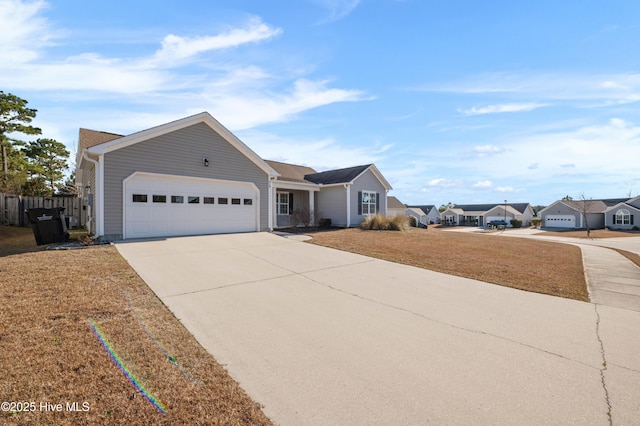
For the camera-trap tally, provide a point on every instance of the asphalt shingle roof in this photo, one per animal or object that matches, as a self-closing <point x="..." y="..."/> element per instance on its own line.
<point x="88" y="138"/>
<point x="337" y="176"/>
<point x="520" y="207"/>
<point x="290" y="172"/>
<point x="394" y="203"/>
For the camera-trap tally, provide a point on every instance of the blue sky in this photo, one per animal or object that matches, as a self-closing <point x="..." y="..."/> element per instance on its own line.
<point x="454" y="101"/>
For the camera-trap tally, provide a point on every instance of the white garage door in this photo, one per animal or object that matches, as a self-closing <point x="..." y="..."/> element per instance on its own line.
<point x="163" y="205"/>
<point x="560" y="221"/>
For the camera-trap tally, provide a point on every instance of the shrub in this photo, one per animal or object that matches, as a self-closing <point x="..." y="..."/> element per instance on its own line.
<point x="384" y="223"/>
<point x="324" y="222"/>
<point x="515" y="223"/>
<point x="536" y="222"/>
<point x="635" y="228"/>
<point x="413" y="221"/>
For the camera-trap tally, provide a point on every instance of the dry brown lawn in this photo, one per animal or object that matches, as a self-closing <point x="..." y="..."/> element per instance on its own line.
<point x="526" y="264"/>
<point x="49" y="351"/>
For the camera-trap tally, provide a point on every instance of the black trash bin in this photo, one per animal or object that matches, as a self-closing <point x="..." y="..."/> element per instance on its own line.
<point x="48" y="225"/>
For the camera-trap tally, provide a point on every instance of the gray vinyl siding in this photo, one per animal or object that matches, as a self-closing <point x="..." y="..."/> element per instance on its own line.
<point x="300" y="202"/>
<point x="178" y="153"/>
<point x="366" y="182"/>
<point x="331" y="203"/>
<point x="595" y="221"/>
<point x="610" y="217"/>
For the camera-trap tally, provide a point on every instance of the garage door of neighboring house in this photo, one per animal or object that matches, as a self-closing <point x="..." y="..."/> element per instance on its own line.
<point x="560" y="221"/>
<point x="163" y="205"/>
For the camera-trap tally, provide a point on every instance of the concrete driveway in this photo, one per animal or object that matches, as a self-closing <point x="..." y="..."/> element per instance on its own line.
<point x="319" y="337"/>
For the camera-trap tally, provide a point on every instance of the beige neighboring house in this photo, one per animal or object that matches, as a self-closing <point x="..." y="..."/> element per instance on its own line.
<point x="483" y="214"/>
<point x="395" y="206"/>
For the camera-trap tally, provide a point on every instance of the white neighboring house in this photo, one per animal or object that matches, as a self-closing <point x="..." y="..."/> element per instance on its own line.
<point x="419" y="214"/>
<point x="431" y="211"/>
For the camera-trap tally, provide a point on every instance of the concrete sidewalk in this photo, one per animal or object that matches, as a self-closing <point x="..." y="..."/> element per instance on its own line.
<point x="612" y="279"/>
<point x="320" y="336"/>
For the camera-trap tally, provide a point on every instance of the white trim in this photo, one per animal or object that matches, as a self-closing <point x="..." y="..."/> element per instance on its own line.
<point x="348" y="188"/>
<point x="100" y="196"/>
<point x="189" y="178"/>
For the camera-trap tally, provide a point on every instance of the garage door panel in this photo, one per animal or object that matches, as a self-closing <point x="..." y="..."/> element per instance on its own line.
<point x="560" y="221"/>
<point x="155" y="219"/>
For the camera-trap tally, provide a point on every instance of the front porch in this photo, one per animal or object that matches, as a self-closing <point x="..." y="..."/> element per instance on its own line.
<point x="293" y="204"/>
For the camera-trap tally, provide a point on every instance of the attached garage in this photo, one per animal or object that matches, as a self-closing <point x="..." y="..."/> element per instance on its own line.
<point x="560" y="221"/>
<point x="169" y="205"/>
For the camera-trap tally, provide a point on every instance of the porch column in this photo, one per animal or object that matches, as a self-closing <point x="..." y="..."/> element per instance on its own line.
<point x="311" y="206"/>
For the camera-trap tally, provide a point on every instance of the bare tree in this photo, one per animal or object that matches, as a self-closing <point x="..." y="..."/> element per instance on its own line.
<point x="585" y="209"/>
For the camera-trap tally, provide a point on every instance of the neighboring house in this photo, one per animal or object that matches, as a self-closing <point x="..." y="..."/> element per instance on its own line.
<point x="623" y="215"/>
<point x="193" y="176"/>
<point x="395" y="206"/>
<point x="419" y="214"/>
<point x="616" y="213"/>
<point x="482" y="214"/>
<point x="432" y="213"/>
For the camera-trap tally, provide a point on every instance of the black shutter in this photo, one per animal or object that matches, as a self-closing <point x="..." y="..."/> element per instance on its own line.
<point x="291" y="203"/>
<point x="359" y="202"/>
<point x="377" y="202"/>
<point x="631" y="220"/>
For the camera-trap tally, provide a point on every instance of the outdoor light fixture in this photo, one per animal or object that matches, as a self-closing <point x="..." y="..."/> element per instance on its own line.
<point x="205" y="162"/>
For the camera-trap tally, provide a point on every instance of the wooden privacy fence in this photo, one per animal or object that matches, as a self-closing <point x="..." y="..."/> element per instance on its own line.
<point x="12" y="208"/>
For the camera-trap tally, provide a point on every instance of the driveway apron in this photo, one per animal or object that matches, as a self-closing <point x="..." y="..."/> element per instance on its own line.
<point x="320" y="336"/>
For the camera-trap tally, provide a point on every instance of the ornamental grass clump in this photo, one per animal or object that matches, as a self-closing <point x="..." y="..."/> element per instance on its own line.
<point x="385" y="223"/>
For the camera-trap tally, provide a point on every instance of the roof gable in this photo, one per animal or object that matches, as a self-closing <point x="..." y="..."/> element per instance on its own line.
<point x="88" y="138"/>
<point x="203" y="117"/>
<point x="290" y="172"/>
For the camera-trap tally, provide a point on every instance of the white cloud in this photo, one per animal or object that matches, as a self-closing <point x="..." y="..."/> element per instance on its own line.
<point x="505" y="189"/>
<point x="321" y="154"/>
<point x="444" y="183"/>
<point x="493" y="109"/>
<point x="488" y="150"/>
<point x="24" y="32"/>
<point x="176" y="49"/>
<point x="482" y="184"/>
<point x="244" y="110"/>
<point x="338" y="9"/>
<point x="600" y="89"/>
<point x="241" y="95"/>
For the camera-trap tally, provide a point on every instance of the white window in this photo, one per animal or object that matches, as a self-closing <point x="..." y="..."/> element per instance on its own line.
<point x="622" y="217"/>
<point x="282" y="203"/>
<point x="368" y="202"/>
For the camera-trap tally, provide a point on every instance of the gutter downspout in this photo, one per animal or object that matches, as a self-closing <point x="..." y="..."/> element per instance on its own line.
<point x="97" y="196"/>
<point x="348" y="188"/>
